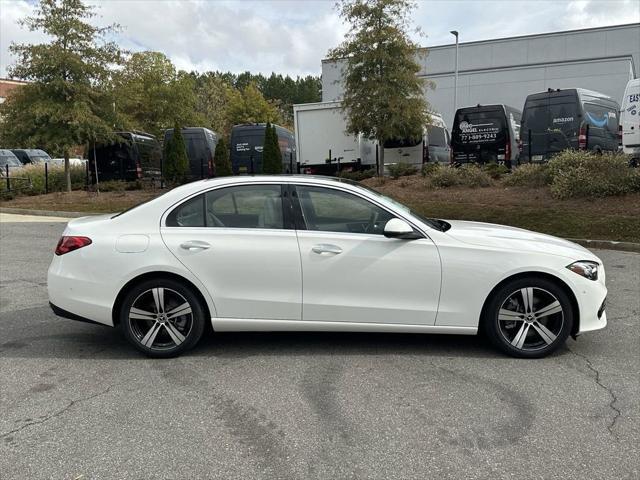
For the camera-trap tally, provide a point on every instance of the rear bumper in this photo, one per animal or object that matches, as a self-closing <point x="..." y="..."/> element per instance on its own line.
<point x="71" y="316"/>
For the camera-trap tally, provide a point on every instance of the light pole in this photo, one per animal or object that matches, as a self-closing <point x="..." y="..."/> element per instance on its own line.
<point x="455" y="80"/>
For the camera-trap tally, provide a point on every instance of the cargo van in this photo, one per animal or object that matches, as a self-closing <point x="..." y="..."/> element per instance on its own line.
<point x="575" y="119"/>
<point x="486" y="134"/>
<point x="433" y="146"/>
<point x="201" y="144"/>
<point x="31" y="156"/>
<point x="247" y="142"/>
<point x="133" y="156"/>
<point x="630" y="121"/>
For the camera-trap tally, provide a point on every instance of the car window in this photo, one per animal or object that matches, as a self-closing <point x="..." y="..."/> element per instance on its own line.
<point x="329" y="210"/>
<point x="188" y="214"/>
<point x="437" y="136"/>
<point x="245" y="206"/>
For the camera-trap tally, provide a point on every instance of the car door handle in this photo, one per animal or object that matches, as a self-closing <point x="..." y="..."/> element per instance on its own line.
<point x="195" y="245"/>
<point x="326" y="248"/>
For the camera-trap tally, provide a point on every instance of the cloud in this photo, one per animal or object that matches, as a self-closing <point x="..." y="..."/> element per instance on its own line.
<point x="294" y="36"/>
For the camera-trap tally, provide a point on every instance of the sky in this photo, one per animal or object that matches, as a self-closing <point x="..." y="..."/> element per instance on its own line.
<point x="293" y="36"/>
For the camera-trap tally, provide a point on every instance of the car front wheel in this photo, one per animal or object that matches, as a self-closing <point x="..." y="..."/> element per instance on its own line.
<point x="528" y="317"/>
<point x="162" y="318"/>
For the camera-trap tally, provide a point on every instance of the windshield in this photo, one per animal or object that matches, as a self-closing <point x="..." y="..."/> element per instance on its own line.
<point x="437" y="137"/>
<point x="435" y="223"/>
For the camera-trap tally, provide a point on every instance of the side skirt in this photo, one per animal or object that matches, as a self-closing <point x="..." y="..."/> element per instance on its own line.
<point x="260" y="325"/>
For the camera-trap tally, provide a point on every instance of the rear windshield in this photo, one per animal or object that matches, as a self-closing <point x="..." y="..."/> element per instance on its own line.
<point x="402" y="142"/>
<point x="437" y="136"/>
<point x="475" y="127"/>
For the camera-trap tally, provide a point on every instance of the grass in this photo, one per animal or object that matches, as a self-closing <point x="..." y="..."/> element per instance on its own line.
<point x="610" y="218"/>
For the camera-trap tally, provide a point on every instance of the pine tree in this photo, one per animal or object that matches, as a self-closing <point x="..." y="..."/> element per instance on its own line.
<point x="176" y="165"/>
<point x="221" y="159"/>
<point x="271" y="156"/>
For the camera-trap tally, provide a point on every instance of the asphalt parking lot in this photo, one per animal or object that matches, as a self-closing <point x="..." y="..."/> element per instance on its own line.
<point x="78" y="402"/>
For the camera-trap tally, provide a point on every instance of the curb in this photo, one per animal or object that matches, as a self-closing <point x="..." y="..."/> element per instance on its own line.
<point x="607" y="245"/>
<point x="45" y="213"/>
<point x="597" y="244"/>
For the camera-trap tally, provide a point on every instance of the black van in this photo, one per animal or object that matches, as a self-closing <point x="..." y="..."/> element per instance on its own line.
<point x="201" y="147"/>
<point x="247" y="141"/>
<point x="575" y="119"/>
<point x="133" y="156"/>
<point x="485" y="134"/>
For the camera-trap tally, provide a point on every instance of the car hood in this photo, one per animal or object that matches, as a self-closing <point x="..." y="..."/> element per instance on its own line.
<point x="512" y="238"/>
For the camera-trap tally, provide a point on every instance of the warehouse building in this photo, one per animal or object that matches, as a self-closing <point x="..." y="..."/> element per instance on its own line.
<point x="506" y="70"/>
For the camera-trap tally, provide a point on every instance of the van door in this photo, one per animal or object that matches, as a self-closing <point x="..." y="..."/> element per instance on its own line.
<point x="602" y="120"/>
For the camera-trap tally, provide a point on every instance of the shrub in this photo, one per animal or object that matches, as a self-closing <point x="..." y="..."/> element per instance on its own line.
<point x="358" y="175"/>
<point x="529" y="175"/>
<point x="494" y="170"/>
<point x="401" y="169"/>
<point x="473" y="176"/>
<point x="429" y="168"/>
<point x="588" y="174"/>
<point x="444" y="177"/>
<point x="30" y="180"/>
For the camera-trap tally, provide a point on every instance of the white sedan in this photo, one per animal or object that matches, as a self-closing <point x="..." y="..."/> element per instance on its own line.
<point x="318" y="254"/>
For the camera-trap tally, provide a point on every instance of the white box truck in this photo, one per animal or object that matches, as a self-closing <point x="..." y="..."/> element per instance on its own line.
<point x="323" y="146"/>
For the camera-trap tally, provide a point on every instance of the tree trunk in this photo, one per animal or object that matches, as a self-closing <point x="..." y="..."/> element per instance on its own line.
<point x="380" y="158"/>
<point x="67" y="170"/>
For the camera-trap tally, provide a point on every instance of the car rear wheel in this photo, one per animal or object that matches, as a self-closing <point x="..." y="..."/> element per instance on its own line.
<point x="529" y="317"/>
<point x="162" y="318"/>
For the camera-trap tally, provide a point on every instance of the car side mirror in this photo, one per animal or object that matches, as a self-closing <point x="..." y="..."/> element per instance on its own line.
<point x="398" y="228"/>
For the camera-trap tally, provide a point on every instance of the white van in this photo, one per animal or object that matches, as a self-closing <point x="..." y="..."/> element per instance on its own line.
<point x="432" y="147"/>
<point x="630" y="120"/>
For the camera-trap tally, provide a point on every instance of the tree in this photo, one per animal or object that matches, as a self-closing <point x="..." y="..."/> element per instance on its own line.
<point x="221" y="159"/>
<point x="249" y="106"/>
<point x="176" y="164"/>
<point x="67" y="103"/>
<point x="152" y="94"/>
<point x="271" y="155"/>
<point x="383" y="98"/>
<point x="212" y="94"/>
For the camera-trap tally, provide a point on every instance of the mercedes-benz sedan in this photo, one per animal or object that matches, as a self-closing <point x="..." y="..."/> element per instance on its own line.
<point x="318" y="254"/>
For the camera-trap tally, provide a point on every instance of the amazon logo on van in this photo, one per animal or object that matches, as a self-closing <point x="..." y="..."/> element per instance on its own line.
<point x="563" y="120"/>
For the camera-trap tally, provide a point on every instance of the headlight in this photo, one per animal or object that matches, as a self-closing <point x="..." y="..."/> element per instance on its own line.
<point x="585" y="268"/>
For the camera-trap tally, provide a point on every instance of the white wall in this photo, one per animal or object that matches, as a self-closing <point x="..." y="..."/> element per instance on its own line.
<point x="507" y="70"/>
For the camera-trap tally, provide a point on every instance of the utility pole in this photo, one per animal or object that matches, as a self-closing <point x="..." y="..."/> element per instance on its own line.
<point x="455" y="80"/>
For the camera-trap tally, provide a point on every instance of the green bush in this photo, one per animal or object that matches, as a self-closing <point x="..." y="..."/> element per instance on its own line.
<point x="470" y="176"/>
<point x="271" y="154"/>
<point x="401" y="169"/>
<point x="589" y="174"/>
<point x="358" y="175"/>
<point x="532" y="175"/>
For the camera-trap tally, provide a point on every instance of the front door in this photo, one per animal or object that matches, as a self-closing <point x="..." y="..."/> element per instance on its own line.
<point x="239" y="242"/>
<point x="352" y="272"/>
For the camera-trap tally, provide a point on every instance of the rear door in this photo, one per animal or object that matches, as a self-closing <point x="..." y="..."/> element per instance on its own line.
<point x="479" y="134"/>
<point x="438" y="139"/>
<point x="240" y="242"/>
<point x="352" y="272"/>
<point x="602" y="119"/>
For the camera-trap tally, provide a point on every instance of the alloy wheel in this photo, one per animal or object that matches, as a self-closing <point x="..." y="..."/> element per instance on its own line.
<point x="160" y="319"/>
<point x="530" y="319"/>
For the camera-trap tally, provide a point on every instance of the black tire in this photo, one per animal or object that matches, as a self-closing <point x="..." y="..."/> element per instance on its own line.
<point x="517" y="330"/>
<point x="164" y="334"/>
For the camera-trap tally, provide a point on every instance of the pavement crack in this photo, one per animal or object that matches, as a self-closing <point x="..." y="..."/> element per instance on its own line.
<point x="614" y="399"/>
<point x="56" y="413"/>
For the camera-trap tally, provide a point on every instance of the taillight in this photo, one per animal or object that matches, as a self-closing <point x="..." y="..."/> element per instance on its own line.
<point x="620" y="134"/>
<point x="520" y="146"/>
<point x="582" y="138"/>
<point x="138" y="170"/>
<point x="507" y="151"/>
<point x="70" y="243"/>
<point x="210" y="165"/>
